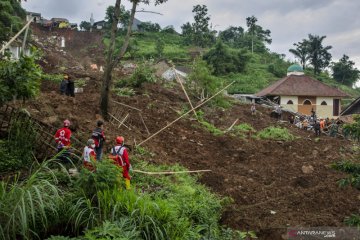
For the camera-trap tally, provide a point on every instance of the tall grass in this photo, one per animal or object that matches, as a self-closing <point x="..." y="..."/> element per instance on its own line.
<point x="25" y="206"/>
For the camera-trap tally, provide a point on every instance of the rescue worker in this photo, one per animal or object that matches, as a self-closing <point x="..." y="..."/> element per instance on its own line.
<point x="120" y="155"/>
<point x="317" y="128"/>
<point x="64" y="85"/>
<point x="70" y="91"/>
<point x="62" y="139"/>
<point x="322" y="124"/>
<point x="89" y="155"/>
<point x="253" y="109"/>
<point x="99" y="138"/>
<point x="333" y="128"/>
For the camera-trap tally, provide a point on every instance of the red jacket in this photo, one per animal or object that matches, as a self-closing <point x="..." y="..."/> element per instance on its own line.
<point x="98" y="136"/>
<point x="62" y="136"/>
<point x="120" y="156"/>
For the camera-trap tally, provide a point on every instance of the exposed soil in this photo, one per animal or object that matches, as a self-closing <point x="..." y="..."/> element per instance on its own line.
<point x="264" y="178"/>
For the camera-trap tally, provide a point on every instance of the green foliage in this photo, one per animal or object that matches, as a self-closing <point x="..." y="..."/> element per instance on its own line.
<point x="319" y="55"/>
<point x="225" y="61"/>
<point x="20" y="79"/>
<point x="123" y="229"/>
<point x="353" y="129"/>
<point x="159" y="47"/>
<point x="344" y="71"/>
<point x="201" y="81"/>
<point x="143" y="73"/>
<point x="12" y="16"/>
<point x="353" y="220"/>
<point x="276" y="133"/>
<point x="208" y="126"/>
<point x="25" y="207"/>
<point x="9" y="162"/>
<point x="199" y="33"/>
<point x="243" y="129"/>
<point x="17" y="151"/>
<point x="352" y="168"/>
<point x="257" y="35"/>
<point x="105" y="177"/>
<point x="125" y="91"/>
<point x="85" y="25"/>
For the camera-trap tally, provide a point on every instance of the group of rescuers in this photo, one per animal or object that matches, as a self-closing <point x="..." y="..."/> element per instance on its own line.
<point x="94" y="148"/>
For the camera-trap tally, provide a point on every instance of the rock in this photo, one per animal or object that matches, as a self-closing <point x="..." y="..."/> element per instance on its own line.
<point x="307" y="169"/>
<point x="183" y="138"/>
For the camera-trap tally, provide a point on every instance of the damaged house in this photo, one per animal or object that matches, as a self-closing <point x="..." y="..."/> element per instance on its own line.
<point x="300" y="93"/>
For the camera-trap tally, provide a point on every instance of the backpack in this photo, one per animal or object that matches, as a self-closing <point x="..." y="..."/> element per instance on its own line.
<point x="117" y="153"/>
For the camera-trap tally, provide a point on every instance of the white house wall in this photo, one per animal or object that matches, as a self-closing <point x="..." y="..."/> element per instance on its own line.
<point x="292" y="107"/>
<point x="324" y="110"/>
<point x="321" y="110"/>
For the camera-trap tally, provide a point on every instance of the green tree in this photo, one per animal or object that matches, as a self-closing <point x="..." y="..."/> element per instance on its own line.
<point x="257" y="33"/>
<point x="231" y="35"/>
<point x="319" y="55"/>
<point x="85" y="25"/>
<point x="111" y="59"/>
<point x="224" y="60"/>
<point x="187" y="33"/>
<point x="201" y="80"/>
<point x="12" y="16"/>
<point x="124" y="17"/>
<point x="301" y="52"/>
<point x="199" y="33"/>
<point x="344" y="71"/>
<point x="149" y="27"/>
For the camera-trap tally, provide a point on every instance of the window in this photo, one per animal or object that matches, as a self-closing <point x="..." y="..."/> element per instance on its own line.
<point x="290" y="102"/>
<point x="323" y="103"/>
<point x="307" y="102"/>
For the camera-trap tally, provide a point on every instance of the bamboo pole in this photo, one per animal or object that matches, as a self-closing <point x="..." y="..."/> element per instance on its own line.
<point x="123" y="104"/>
<point x="144" y="123"/>
<point x="232" y="125"/>
<point x="124" y="119"/>
<point x="185" y="114"/>
<point x="118" y="120"/>
<point x="182" y="86"/>
<point x="164" y="173"/>
<point x="14" y="37"/>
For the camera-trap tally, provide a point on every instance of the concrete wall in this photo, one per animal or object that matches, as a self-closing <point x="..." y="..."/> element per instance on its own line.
<point x="321" y="110"/>
<point x="292" y="107"/>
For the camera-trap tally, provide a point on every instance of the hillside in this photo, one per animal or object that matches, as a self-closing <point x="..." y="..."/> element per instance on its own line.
<point x="265" y="178"/>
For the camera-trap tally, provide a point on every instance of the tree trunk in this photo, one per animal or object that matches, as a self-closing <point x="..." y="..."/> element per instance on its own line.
<point x="110" y="61"/>
<point x="105" y="89"/>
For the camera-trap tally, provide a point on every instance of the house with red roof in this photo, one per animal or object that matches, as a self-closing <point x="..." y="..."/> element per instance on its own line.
<point x="300" y="93"/>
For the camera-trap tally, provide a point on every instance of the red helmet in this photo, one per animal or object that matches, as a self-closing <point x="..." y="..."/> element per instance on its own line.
<point x="119" y="139"/>
<point x="66" y="123"/>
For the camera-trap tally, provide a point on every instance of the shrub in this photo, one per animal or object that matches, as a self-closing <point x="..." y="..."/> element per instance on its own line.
<point x="276" y="133"/>
<point x="19" y="79"/>
<point x="243" y="129"/>
<point x="142" y="74"/>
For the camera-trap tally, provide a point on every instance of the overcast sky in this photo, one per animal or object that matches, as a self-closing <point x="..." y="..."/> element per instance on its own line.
<point x="289" y="21"/>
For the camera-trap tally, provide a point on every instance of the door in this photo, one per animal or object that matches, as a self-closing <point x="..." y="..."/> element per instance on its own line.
<point x="336" y="108"/>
